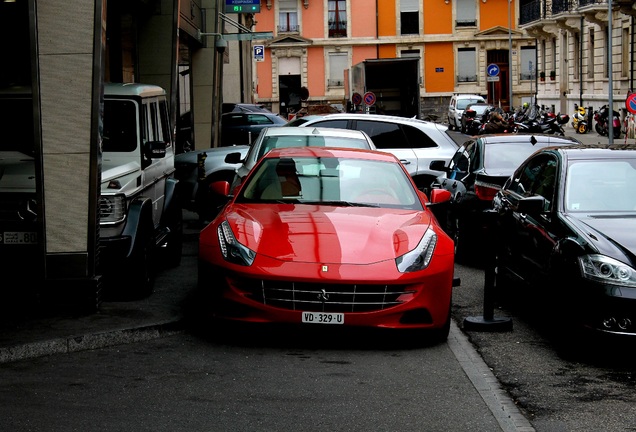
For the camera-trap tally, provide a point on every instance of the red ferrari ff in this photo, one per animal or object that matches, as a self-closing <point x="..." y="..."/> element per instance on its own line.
<point x="329" y="236"/>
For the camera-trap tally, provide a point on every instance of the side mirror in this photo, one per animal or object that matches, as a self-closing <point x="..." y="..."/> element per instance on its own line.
<point x="155" y="149"/>
<point x="220" y="187"/>
<point x="531" y="205"/>
<point x="439" y="196"/>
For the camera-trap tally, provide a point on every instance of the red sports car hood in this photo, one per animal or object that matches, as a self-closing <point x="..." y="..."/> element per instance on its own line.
<point x="309" y="233"/>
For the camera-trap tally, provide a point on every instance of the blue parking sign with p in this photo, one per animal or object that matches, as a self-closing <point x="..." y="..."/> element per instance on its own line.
<point x="259" y="53"/>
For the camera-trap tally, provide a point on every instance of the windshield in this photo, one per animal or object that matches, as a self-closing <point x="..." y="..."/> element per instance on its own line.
<point x="120" y="126"/>
<point x="331" y="181"/>
<point x="463" y="103"/>
<point x="271" y="142"/>
<point x="601" y="186"/>
<point x="16" y="123"/>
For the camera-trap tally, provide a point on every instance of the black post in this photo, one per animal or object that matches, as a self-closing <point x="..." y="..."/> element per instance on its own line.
<point x="488" y="322"/>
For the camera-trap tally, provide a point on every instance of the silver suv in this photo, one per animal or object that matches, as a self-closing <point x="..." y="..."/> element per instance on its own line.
<point x="415" y="142"/>
<point x="140" y="217"/>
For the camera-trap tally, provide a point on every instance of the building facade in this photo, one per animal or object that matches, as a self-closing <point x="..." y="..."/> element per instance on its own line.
<point x="554" y="52"/>
<point x="316" y="41"/>
<point x="579" y="42"/>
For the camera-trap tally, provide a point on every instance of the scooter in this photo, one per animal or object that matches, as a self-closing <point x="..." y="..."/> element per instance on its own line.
<point x="602" y="122"/>
<point x="579" y="122"/>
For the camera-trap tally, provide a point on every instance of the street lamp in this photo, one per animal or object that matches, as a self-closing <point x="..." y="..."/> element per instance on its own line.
<point x="509" y="56"/>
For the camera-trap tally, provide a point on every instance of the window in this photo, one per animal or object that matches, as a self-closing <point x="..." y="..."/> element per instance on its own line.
<point x="554" y="54"/>
<point x="337" y="64"/>
<point x="576" y="57"/>
<point x="337" y="16"/>
<point x="528" y="64"/>
<point x="466" y="11"/>
<point x="410" y="16"/>
<point x="466" y="65"/>
<point x="543" y="54"/>
<point x="590" y="55"/>
<point x="120" y="126"/>
<point x="288" y="16"/>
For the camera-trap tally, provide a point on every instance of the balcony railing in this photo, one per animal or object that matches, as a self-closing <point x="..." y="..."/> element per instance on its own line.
<point x="529" y="12"/>
<point x="527" y="76"/>
<point x="560" y="6"/>
<point x="335" y="83"/>
<point x="465" y="23"/>
<point x="288" y="28"/>
<point x="467" y="78"/>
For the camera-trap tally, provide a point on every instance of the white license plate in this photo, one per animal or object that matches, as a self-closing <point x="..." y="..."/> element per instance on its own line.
<point x="323" y="318"/>
<point x="19" y="237"/>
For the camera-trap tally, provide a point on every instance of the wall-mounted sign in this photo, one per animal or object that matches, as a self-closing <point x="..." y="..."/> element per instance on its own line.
<point x="438" y="69"/>
<point x="242" y="6"/>
<point x="259" y="53"/>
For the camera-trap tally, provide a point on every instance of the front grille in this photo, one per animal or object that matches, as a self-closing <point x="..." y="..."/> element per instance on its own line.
<point x="316" y="297"/>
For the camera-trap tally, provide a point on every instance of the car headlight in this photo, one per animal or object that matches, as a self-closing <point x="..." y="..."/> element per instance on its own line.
<point x="420" y="257"/>
<point x="232" y="250"/>
<point x="112" y="209"/>
<point x="601" y="268"/>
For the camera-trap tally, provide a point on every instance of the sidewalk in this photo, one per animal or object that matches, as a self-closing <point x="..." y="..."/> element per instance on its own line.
<point x="30" y="329"/>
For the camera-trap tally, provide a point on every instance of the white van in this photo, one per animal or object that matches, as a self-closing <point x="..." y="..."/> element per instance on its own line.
<point x="457" y="105"/>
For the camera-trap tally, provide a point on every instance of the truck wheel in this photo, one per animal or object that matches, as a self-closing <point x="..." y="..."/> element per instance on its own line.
<point x="143" y="270"/>
<point x="175" y="241"/>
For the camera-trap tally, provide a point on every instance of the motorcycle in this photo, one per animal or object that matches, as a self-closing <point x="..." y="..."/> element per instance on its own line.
<point x="545" y="123"/>
<point x="601" y="116"/>
<point x="579" y="122"/>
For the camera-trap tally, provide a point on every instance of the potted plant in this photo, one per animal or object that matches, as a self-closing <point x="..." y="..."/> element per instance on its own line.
<point x="552" y="75"/>
<point x="542" y="75"/>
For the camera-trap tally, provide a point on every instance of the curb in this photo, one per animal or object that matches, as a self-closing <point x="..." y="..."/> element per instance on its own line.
<point x="91" y="341"/>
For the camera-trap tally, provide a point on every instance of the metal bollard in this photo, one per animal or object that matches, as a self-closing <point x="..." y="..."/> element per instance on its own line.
<point x="488" y="322"/>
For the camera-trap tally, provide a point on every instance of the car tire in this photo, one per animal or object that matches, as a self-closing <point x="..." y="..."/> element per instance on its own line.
<point x="143" y="268"/>
<point x="463" y="128"/>
<point x="440" y="335"/>
<point x="174" y="247"/>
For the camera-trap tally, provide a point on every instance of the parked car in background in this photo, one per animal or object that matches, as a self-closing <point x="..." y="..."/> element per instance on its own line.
<point x="474" y="116"/>
<point x="309" y="239"/>
<point x="476" y="172"/>
<point x="457" y="105"/>
<point x="565" y="229"/>
<point x="414" y="142"/>
<point x="241" y="128"/>
<point x="227" y="107"/>
<point x="272" y="138"/>
<point x="197" y="170"/>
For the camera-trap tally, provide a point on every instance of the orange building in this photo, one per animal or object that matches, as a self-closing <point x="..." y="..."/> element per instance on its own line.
<point x="315" y="43"/>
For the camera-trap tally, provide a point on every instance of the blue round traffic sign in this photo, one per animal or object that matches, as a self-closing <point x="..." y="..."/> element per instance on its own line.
<point x="493" y="70"/>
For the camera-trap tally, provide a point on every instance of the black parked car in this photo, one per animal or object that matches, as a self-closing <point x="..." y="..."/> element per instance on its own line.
<point x="566" y="229"/>
<point x="242" y="128"/>
<point x="476" y="172"/>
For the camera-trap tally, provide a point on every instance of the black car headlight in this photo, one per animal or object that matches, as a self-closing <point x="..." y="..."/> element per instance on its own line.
<point x="232" y="250"/>
<point x="601" y="268"/>
<point x="420" y="257"/>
